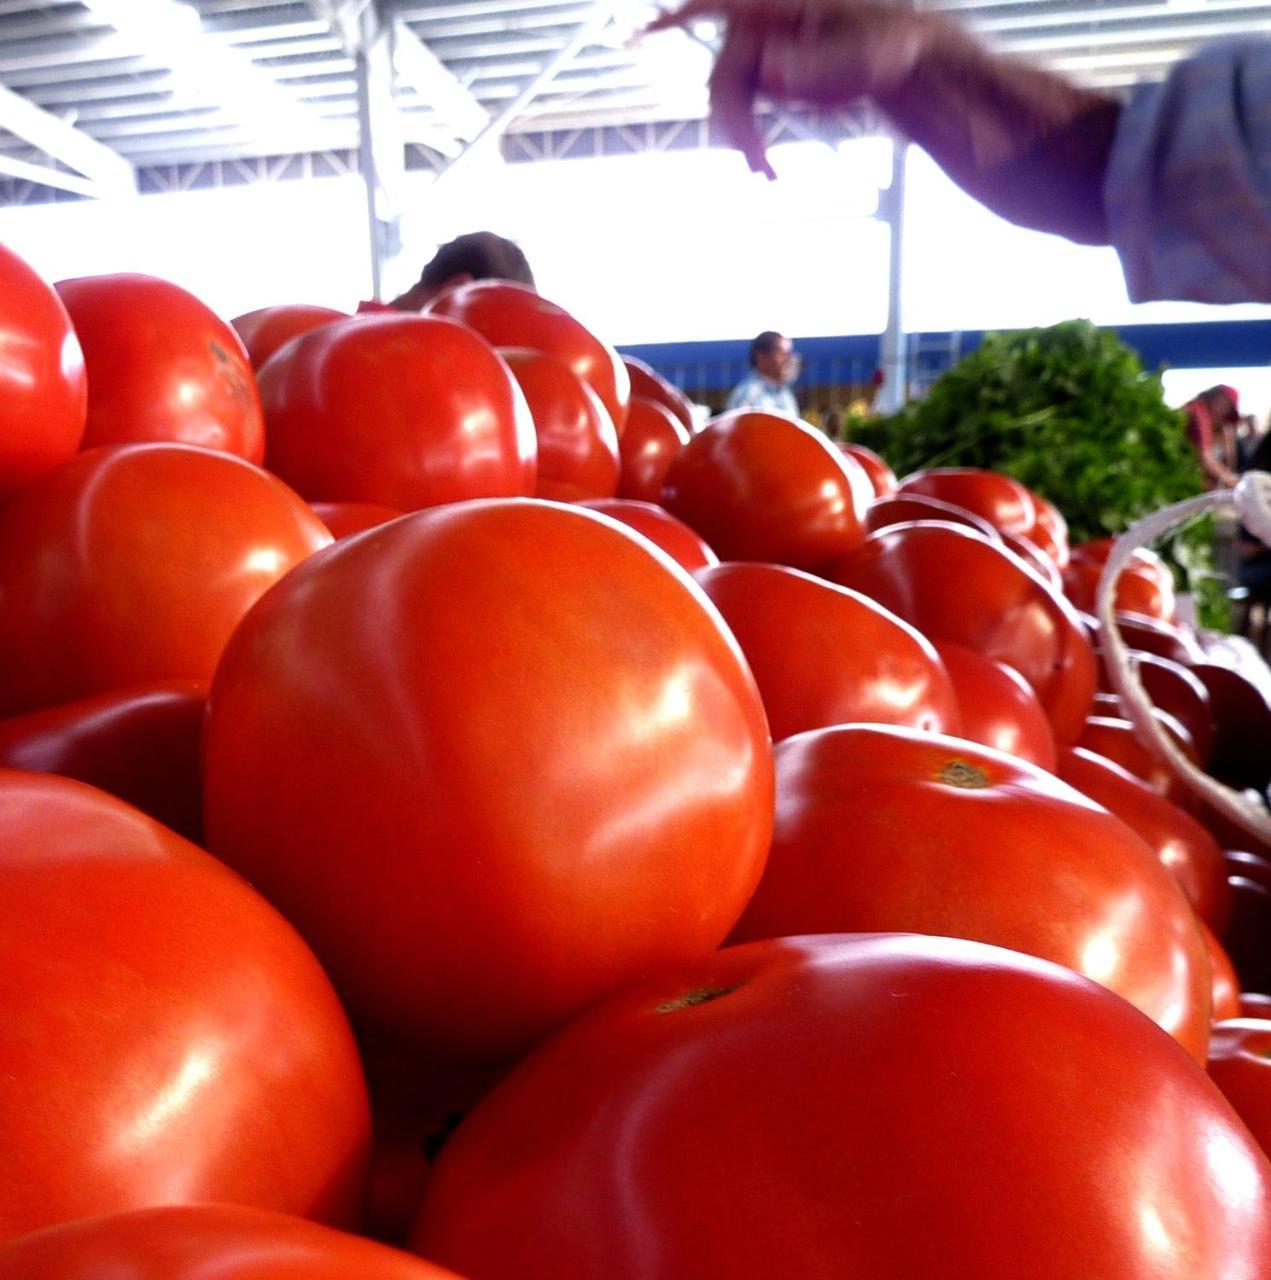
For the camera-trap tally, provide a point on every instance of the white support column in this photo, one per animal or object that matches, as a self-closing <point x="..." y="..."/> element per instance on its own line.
<point x="892" y="349"/>
<point x="381" y="153"/>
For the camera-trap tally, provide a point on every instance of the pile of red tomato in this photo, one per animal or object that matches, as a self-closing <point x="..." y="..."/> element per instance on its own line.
<point x="459" y="819"/>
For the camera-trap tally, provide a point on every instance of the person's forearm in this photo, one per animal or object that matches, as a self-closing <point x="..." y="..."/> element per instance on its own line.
<point x="1217" y="471"/>
<point x="1023" y="141"/>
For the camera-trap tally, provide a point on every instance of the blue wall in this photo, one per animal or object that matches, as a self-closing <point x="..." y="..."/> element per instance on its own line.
<point x="716" y="366"/>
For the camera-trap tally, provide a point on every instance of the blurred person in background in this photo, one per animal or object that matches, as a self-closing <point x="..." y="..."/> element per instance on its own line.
<point x="1177" y="177"/>
<point x="1212" y="419"/>
<point x="773" y="367"/>
<point x="478" y="255"/>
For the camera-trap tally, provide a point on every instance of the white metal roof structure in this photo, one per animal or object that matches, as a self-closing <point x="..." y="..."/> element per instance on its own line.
<point x="95" y="94"/>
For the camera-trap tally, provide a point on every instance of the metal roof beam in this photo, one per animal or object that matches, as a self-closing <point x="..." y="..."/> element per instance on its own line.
<point x="104" y="171"/>
<point x="419" y="67"/>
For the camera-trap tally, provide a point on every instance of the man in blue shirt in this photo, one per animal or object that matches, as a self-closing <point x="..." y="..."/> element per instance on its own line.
<point x="773" y="367"/>
<point x="1177" y="178"/>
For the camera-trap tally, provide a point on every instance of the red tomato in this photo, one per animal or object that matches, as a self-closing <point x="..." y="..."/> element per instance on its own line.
<point x="168" y="1037"/>
<point x="1119" y="741"/>
<point x="343" y="519"/>
<point x="1247" y="932"/>
<point x="263" y="332"/>
<point x="162" y="366"/>
<point x="1240" y="1065"/>
<point x="1226" y="986"/>
<point x="999" y="708"/>
<point x="907" y="507"/>
<point x="758" y="486"/>
<point x="42" y="384"/>
<point x="824" y="655"/>
<point x="1135" y="593"/>
<point x="1178" y="840"/>
<point x="206" y="1242"/>
<point x="1253" y="1005"/>
<point x="1241" y="752"/>
<point x="1050" y="533"/>
<point x="406" y="411"/>
<point x="512" y="315"/>
<point x="660" y="527"/>
<point x="1035" y="559"/>
<point x="955" y="584"/>
<point x="881" y="476"/>
<point x="1176" y="690"/>
<point x="854" y="1107"/>
<point x="133" y="563"/>
<point x="1145" y="563"/>
<point x="140" y="744"/>
<point x="545" y="768"/>
<point x="577" y="445"/>
<point x="1005" y="503"/>
<point x="649" y="384"/>
<point x="1152" y="635"/>
<point x="888" y="829"/>
<point x="650" y="442"/>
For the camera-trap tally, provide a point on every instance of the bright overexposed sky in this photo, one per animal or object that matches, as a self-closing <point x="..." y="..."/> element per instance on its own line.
<point x="671" y="246"/>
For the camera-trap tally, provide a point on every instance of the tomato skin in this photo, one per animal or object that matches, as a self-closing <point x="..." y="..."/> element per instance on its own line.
<point x="824" y="655"/>
<point x="133" y="563"/>
<point x="650" y="442"/>
<point x="263" y="331"/>
<point x="1050" y="533"/>
<point x="140" y="744"/>
<point x="513" y="315"/>
<point x="955" y="584"/>
<point x="1174" y="689"/>
<point x="1152" y="635"/>
<point x="174" y="1039"/>
<point x="881" y="476"/>
<point x="1240" y="1065"/>
<point x="465" y="916"/>
<point x="42" y="382"/>
<point x="1005" y="503"/>
<point x="406" y="411"/>
<point x="1034" y="559"/>
<point x="577" y="443"/>
<point x="1240" y="754"/>
<point x="1254" y="1005"/>
<point x="1135" y="592"/>
<point x="800" y="1123"/>
<point x="905" y="508"/>
<point x="758" y="486"/>
<point x="1179" y="841"/>
<point x="343" y="519"/>
<point x="198" y="1242"/>
<point x="1226" y="986"/>
<point x="1118" y="740"/>
<point x="649" y="384"/>
<point x="661" y="528"/>
<point x="881" y="828"/>
<point x="162" y="366"/>
<point x="999" y="708"/>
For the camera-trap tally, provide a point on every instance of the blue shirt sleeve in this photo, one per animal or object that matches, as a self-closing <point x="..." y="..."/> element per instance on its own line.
<point x="1188" y="187"/>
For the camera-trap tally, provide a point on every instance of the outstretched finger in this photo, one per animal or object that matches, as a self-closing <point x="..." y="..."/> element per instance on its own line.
<point x="732" y="87"/>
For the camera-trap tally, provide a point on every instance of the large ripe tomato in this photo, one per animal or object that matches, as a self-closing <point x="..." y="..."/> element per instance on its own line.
<point x="1144" y="563"/>
<point x="1253" y="1005"/>
<point x="513" y="315"/>
<point x="824" y="655"/>
<point x="42" y="384"/>
<point x="888" y="829"/>
<point x="905" y="508"/>
<point x="206" y="1242"/>
<point x="955" y="584"/>
<point x="999" y="708"/>
<point x="263" y="332"/>
<point x="162" y="366"/>
<point x="133" y="563"/>
<point x="407" y="411"/>
<point x="1240" y="754"/>
<point x="1119" y="741"/>
<point x="882" y="1107"/>
<point x="650" y="442"/>
<point x="343" y="519"/>
<point x="544" y="768"/>
<point x="1153" y="635"/>
<point x="1181" y="843"/>
<point x="648" y="383"/>
<point x="577" y="443"/>
<point x="1034" y="558"/>
<point x="1226" y="985"/>
<point x="1135" y="592"/>
<point x="1174" y="689"/>
<point x="660" y="527"/>
<point x="1050" y="533"/>
<point x="758" y="486"/>
<point x="167" y="1036"/>
<point x="140" y="744"/>
<point x="1005" y="503"/>
<point x="1240" y="1065"/>
<point x="881" y="476"/>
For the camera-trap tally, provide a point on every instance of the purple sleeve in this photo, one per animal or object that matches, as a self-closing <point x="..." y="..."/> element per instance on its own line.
<point x="1188" y="188"/>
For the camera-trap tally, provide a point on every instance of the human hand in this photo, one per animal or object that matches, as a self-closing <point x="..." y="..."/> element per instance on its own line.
<point x="819" y="52"/>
